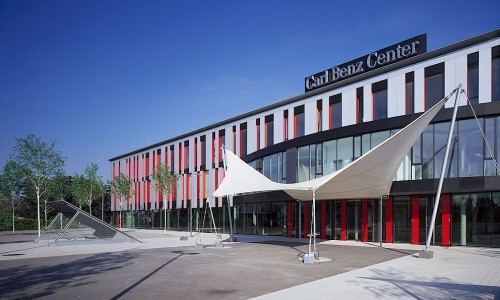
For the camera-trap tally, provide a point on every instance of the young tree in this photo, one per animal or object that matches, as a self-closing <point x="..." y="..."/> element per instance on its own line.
<point x="11" y="185"/>
<point x="40" y="161"/>
<point x="87" y="187"/>
<point x="164" y="180"/>
<point x="123" y="189"/>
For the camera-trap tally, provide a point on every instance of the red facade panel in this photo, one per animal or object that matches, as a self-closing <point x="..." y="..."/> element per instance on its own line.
<point x="343" y="219"/>
<point x="289" y="220"/>
<point x="415" y="220"/>
<point x="306" y="219"/>
<point x="445" y="235"/>
<point x="364" y="220"/>
<point x="323" y="220"/>
<point x="388" y="220"/>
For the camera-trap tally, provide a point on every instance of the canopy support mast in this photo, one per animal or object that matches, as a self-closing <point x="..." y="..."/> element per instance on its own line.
<point x="426" y="253"/>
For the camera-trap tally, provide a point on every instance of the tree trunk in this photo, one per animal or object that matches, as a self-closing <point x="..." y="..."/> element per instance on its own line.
<point x="38" y="209"/>
<point x="13" y="215"/>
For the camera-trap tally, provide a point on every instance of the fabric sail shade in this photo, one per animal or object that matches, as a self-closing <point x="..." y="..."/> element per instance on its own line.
<point x="370" y="176"/>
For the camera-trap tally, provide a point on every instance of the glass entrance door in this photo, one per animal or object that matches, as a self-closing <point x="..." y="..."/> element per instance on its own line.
<point x="401" y="221"/>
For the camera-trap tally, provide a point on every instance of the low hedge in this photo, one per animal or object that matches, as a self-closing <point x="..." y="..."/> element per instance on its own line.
<point x="20" y="223"/>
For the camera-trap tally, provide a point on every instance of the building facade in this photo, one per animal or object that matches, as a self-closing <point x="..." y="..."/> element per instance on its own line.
<point x="345" y="111"/>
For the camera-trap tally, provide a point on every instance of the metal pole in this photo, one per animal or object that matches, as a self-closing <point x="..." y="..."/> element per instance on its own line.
<point x="314" y="221"/>
<point x="102" y="207"/>
<point x="443" y="170"/>
<point x="165" y="214"/>
<point x="380" y="221"/>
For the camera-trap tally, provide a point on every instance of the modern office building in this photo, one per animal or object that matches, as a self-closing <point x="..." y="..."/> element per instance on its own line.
<point x="345" y="111"/>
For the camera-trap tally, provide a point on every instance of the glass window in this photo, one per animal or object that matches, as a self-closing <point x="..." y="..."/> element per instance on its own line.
<point x="365" y="143"/>
<point x="344" y="152"/>
<point x="378" y="138"/>
<point x="472" y="220"/>
<point x="359" y="105"/>
<point x="312" y="162"/>
<point x="285" y="125"/>
<point x="379" y="91"/>
<point x="416" y="158"/>
<point x="336" y="111"/>
<point x="299" y="124"/>
<point x="473" y="77"/>
<point x="489" y="131"/>
<point x="257" y="125"/>
<point x="357" y="147"/>
<point x="243" y="139"/>
<point x="409" y="93"/>
<point x="319" y="115"/>
<point x="470" y="149"/>
<point x="329" y="157"/>
<point x="203" y="151"/>
<point x="274" y="167"/>
<point x="319" y="160"/>
<point x="495" y="73"/>
<point x="266" y="168"/>
<point x="303" y="164"/>
<point x="269" y="130"/>
<point x="428" y="153"/>
<point x="434" y="85"/>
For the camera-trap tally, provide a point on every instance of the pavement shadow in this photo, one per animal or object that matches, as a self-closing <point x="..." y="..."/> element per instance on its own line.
<point x="402" y="284"/>
<point x="28" y="282"/>
<point x="132" y="286"/>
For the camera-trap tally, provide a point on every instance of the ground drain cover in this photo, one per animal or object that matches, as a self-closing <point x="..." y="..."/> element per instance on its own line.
<point x="13" y="254"/>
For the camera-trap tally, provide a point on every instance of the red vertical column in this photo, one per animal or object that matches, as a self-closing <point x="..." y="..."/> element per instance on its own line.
<point x="445" y="209"/>
<point x="364" y="220"/>
<point x="323" y="220"/>
<point x="289" y="220"/>
<point x="343" y="217"/>
<point x="415" y="220"/>
<point x="388" y="220"/>
<point x="306" y="219"/>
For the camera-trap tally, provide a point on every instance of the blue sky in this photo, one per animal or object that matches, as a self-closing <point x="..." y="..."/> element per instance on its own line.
<point x="103" y="78"/>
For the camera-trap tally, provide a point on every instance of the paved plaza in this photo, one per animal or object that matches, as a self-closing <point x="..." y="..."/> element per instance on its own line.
<point x="166" y="267"/>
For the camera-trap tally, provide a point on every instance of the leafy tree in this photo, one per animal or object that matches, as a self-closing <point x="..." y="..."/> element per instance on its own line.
<point x="164" y="180"/>
<point x="87" y="187"/>
<point x="123" y="190"/>
<point x="39" y="161"/>
<point x="11" y="186"/>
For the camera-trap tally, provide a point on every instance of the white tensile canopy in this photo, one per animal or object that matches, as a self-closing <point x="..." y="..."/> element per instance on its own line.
<point x="370" y="176"/>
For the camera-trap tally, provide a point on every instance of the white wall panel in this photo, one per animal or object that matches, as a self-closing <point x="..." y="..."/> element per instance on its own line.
<point x="485" y="75"/>
<point x="349" y="107"/>
<point x="310" y="117"/>
<point x="400" y="94"/>
<point x="191" y="155"/>
<point x="278" y="126"/>
<point x="251" y="136"/>
<point x="460" y="77"/>
<point x="326" y="113"/>
<point x="367" y="103"/>
<point x="449" y="79"/>
<point x="419" y="90"/>
<point x="392" y="97"/>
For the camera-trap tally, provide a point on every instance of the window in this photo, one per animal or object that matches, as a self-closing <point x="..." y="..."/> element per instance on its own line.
<point x="495" y="73"/>
<point x="269" y="130"/>
<point x="186" y="156"/>
<point x="285" y="125"/>
<point x="470" y="144"/>
<point x="434" y="85"/>
<point x="335" y="111"/>
<point x="203" y="147"/>
<point x="257" y="124"/>
<point x="222" y="142"/>
<point x="379" y="92"/>
<point x="243" y="139"/>
<point x="195" y="154"/>
<point x="234" y="139"/>
<point x="299" y="122"/>
<point x="172" y="164"/>
<point x="359" y="105"/>
<point x="213" y="149"/>
<point x="319" y="115"/>
<point x="473" y="77"/>
<point x="410" y="93"/>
